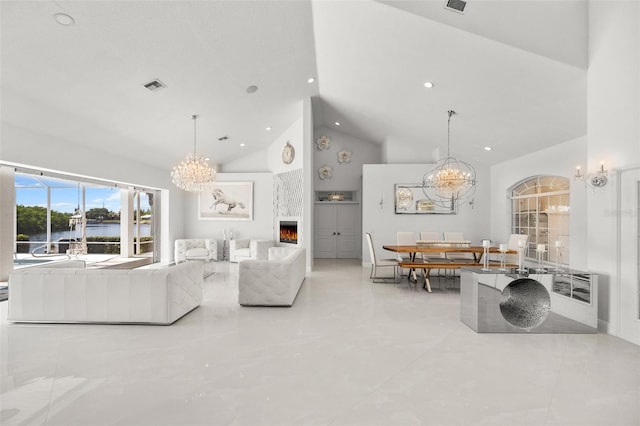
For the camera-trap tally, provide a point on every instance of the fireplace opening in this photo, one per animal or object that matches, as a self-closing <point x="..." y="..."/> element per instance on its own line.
<point x="289" y="232"/>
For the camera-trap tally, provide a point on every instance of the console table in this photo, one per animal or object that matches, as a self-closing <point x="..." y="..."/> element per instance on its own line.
<point x="529" y="302"/>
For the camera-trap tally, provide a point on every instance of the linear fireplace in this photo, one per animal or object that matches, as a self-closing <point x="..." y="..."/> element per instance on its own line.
<point x="289" y="231"/>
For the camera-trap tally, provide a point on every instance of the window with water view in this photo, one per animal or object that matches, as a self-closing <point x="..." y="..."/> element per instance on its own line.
<point x="58" y="216"/>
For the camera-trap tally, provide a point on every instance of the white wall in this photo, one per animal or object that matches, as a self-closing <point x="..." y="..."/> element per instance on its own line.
<point x="383" y="223"/>
<point x="254" y="161"/>
<point x="39" y="151"/>
<point x="559" y="160"/>
<point x="269" y="159"/>
<point x="307" y="173"/>
<point x="613" y="108"/>
<point x="398" y="151"/>
<point x="346" y="176"/>
<point x="295" y="136"/>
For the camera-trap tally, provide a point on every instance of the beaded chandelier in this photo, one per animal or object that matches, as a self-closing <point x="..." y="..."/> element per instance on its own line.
<point x="193" y="174"/>
<point x="451" y="180"/>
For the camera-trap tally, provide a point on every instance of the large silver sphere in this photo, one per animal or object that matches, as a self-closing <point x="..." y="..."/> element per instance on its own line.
<point x="525" y="303"/>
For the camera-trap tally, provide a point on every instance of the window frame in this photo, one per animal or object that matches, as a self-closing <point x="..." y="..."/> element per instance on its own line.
<point x="544" y="222"/>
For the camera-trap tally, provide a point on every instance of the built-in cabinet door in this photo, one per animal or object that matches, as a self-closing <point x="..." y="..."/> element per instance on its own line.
<point x="325" y="220"/>
<point x="348" y="236"/>
<point x="337" y="231"/>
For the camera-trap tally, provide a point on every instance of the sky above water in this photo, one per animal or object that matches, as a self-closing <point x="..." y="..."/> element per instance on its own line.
<point x="66" y="195"/>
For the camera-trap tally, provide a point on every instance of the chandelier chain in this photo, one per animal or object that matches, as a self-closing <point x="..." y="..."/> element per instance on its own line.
<point x="450" y="113"/>
<point x="195" y="117"/>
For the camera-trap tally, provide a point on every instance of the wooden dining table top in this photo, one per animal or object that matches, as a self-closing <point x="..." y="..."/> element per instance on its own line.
<point x="430" y="248"/>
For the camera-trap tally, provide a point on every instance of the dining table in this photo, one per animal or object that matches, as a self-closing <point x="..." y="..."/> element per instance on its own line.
<point x="412" y="250"/>
<point x="412" y="264"/>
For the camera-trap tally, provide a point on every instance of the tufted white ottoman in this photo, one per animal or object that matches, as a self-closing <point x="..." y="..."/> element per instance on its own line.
<point x="272" y="282"/>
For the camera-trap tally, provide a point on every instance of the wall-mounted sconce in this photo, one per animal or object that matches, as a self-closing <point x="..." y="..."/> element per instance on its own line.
<point x="594" y="180"/>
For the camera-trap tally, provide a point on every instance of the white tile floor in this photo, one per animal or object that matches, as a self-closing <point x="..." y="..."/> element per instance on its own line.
<point x="347" y="353"/>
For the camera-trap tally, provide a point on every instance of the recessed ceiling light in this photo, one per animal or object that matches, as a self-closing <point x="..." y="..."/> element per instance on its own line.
<point x="64" y="19"/>
<point x="487" y="148"/>
<point x="428" y="84"/>
<point x="252" y="89"/>
<point x="268" y="128"/>
<point x="311" y="80"/>
<point x="337" y="123"/>
<point x="241" y="144"/>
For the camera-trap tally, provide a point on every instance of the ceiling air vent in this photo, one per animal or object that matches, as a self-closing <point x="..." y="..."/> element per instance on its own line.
<point x="155" y="85"/>
<point x="456" y="5"/>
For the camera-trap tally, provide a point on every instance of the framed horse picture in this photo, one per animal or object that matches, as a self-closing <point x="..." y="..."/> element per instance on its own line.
<point x="226" y="201"/>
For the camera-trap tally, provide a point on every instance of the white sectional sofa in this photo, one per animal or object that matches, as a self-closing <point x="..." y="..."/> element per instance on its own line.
<point x="67" y="292"/>
<point x="272" y="282"/>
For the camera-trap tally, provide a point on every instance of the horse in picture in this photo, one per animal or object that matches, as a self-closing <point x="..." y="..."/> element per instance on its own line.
<point x="219" y="197"/>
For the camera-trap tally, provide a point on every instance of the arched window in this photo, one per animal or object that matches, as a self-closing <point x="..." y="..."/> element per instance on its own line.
<point x="540" y="209"/>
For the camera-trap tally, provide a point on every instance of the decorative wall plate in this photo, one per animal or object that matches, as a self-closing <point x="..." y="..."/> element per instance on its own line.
<point x="323" y="142"/>
<point x="344" y="156"/>
<point x="325" y="172"/>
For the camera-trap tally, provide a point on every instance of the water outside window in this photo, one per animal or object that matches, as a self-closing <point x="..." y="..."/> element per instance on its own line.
<point x="46" y="208"/>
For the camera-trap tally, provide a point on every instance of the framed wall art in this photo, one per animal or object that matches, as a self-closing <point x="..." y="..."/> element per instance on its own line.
<point x="411" y="199"/>
<point x="226" y="201"/>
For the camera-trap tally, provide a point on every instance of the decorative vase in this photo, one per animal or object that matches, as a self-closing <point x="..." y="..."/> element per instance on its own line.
<point x="540" y="250"/>
<point x="521" y="259"/>
<point x="558" y="259"/>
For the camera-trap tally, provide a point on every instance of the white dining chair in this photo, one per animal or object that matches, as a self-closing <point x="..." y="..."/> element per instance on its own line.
<point x="432" y="236"/>
<point x="434" y="257"/>
<point x="404" y="238"/>
<point x="379" y="263"/>
<point x="458" y="257"/>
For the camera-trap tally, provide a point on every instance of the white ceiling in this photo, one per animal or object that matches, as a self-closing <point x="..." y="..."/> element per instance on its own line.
<point x="514" y="71"/>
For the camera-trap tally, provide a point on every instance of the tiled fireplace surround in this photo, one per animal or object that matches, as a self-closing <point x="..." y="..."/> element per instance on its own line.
<point x="288" y="206"/>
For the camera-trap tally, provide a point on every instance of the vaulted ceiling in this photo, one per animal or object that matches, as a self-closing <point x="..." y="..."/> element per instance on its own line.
<point x="514" y="71"/>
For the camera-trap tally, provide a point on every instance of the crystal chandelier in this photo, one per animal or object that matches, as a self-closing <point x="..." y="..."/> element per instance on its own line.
<point x="193" y="174"/>
<point x="451" y="180"/>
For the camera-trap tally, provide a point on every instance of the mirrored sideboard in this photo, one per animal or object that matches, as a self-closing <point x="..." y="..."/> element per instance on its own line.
<point x="531" y="301"/>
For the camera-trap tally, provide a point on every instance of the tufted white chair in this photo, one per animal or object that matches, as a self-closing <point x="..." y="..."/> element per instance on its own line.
<point x="249" y="249"/>
<point x="239" y="250"/>
<point x="195" y="249"/>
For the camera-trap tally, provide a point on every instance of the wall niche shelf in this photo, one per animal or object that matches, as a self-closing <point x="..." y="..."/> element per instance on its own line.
<point x="337" y="196"/>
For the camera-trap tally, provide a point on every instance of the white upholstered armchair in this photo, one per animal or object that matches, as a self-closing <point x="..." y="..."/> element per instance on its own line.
<point x="249" y="249"/>
<point x="195" y="249"/>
